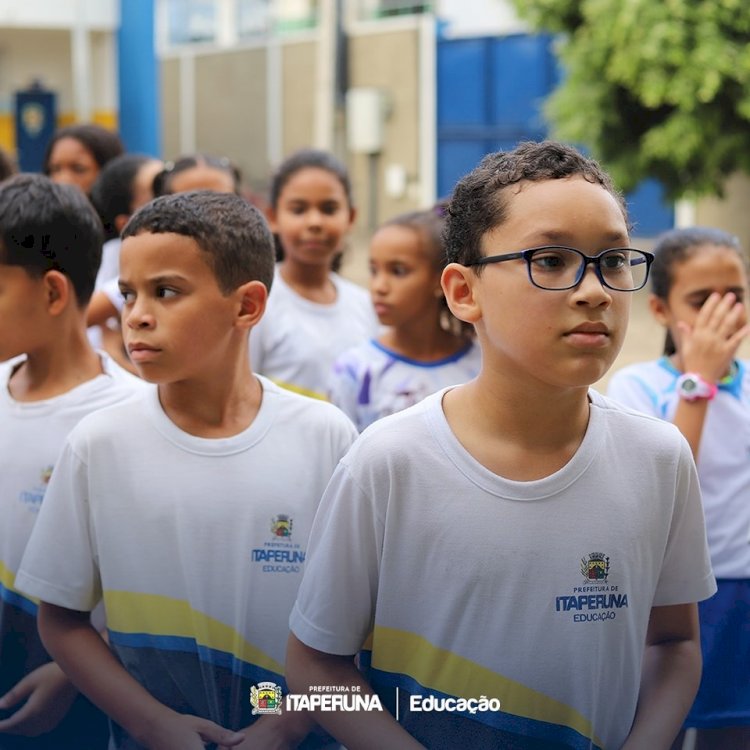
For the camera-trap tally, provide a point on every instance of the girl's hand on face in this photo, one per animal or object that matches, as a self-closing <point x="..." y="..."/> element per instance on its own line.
<point x="710" y="344"/>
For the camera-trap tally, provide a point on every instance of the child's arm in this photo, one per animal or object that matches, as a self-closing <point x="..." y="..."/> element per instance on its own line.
<point x="284" y="732"/>
<point x="100" y="309"/>
<point x="370" y="730"/>
<point x="45" y="696"/>
<point x="84" y="656"/>
<point x="670" y="676"/>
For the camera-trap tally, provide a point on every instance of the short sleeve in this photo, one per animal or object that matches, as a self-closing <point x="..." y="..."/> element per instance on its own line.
<point x="335" y="604"/>
<point x="634" y="392"/>
<point x="686" y="574"/>
<point x="59" y="564"/>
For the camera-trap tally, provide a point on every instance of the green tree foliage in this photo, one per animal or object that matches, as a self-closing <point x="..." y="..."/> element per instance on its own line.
<point x="655" y="88"/>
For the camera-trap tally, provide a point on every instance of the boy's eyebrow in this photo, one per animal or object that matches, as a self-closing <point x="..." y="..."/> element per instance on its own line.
<point x="562" y="237"/>
<point x="155" y="280"/>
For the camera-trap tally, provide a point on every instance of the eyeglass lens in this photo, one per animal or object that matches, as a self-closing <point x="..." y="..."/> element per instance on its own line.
<point x="622" y="269"/>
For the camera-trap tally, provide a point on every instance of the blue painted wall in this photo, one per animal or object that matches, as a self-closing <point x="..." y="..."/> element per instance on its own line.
<point x="138" y="77"/>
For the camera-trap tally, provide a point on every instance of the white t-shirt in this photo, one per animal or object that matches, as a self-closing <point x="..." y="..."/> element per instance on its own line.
<point x="723" y="456"/>
<point x="536" y="594"/>
<point x="196" y="545"/>
<point x="32" y="434"/>
<point x="370" y="381"/>
<point x="109" y="269"/>
<point x="297" y="340"/>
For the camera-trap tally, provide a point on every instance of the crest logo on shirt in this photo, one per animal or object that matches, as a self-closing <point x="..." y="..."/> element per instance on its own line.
<point x="265" y="698"/>
<point x="281" y="526"/>
<point x="596" y="568"/>
<point x="33" y="497"/>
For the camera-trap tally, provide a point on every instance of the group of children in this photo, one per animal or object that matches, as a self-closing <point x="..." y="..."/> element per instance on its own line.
<point x="514" y="546"/>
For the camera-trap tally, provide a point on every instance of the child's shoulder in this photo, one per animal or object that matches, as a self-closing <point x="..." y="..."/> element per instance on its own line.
<point x="296" y="411"/>
<point x="351" y="292"/>
<point x="623" y="423"/>
<point x="113" y="385"/>
<point x="360" y="355"/>
<point x="341" y="282"/>
<point x="396" y="435"/>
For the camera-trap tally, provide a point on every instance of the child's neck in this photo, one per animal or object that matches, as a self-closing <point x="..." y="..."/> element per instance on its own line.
<point x="64" y="361"/>
<point x="222" y="404"/>
<point x="522" y="432"/>
<point x="313" y="282"/>
<point x="423" y="341"/>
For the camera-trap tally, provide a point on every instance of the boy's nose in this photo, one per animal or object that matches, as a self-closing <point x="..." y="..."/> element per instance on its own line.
<point x="590" y="289"/>
<point x="139" y="317"/>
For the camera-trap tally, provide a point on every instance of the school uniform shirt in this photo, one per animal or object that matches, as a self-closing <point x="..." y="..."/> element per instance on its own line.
<point x="32" y="434"/>
<point x="196" y="545"/>
<point x="370" y="381"/>
<point x="297" y="340"/>
<point x="535" y="594"/>
<point x="723" y="458"/>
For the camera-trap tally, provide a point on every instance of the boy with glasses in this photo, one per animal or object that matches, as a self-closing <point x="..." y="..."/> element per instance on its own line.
<point x="518" y="540"/>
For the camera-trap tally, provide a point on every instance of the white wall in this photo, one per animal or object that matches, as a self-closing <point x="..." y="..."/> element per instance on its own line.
<point x="479" y="17"/>
<point x="60" y="14"/>
<point x="45" y="54"/>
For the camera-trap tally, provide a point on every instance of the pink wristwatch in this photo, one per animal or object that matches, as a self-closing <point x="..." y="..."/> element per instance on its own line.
<point x="692" y="387"/>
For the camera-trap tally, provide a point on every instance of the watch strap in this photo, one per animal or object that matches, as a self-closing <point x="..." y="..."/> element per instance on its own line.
<point x="692" y="387"/>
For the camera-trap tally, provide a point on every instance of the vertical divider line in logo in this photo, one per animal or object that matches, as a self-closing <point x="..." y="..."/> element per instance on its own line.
<point x="396" y="702"/>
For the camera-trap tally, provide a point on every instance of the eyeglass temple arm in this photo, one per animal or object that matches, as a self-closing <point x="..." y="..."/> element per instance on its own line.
<point x="497" y="258"/>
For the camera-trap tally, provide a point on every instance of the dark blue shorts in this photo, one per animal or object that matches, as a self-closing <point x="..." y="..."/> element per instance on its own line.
<point x="724" y="695"/>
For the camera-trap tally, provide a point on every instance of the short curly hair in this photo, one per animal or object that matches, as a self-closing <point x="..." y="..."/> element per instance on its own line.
<point x="479" y="201"/>
<point x="233" y="234"/>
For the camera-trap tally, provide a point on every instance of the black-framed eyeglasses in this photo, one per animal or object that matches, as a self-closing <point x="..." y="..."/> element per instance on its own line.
<point x="557" y="268"/>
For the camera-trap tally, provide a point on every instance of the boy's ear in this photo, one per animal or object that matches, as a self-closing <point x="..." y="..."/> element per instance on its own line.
<point x="58" y="291"/>
<point x="352" y="215"/>
<point x="458" y="284"/>
<point x="252" y="297"/>
<point x="659" y="309"/>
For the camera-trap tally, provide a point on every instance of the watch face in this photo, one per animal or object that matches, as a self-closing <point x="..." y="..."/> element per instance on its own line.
<point x="689" y="385"/>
